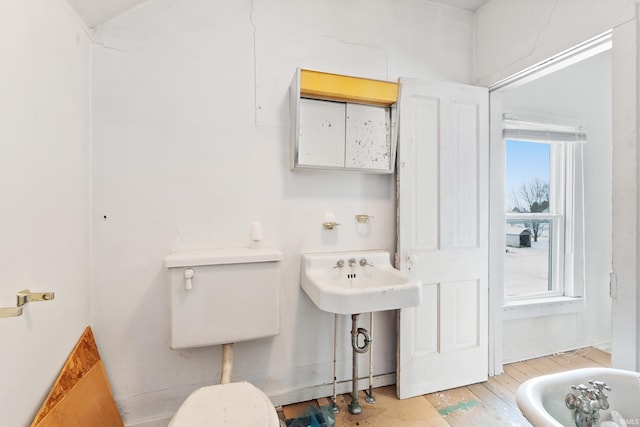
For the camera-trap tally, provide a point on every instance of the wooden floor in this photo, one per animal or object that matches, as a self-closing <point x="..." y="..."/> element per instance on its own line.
<point x="490" y="404"/>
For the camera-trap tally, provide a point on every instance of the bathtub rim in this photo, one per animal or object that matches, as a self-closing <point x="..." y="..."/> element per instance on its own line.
<point x="529" y="393"/>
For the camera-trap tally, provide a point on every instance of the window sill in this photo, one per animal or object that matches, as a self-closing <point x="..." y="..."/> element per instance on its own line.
<point x="538" y="307"/>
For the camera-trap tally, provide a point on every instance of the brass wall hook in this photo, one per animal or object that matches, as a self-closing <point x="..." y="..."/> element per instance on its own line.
<point x="26" y="296"/>
<point x="330" y="225"/>
<point x="10" y="312"/>
<point x="363" y="219"/>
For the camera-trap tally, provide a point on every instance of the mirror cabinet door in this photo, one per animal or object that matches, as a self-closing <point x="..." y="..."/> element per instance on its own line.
<point x="321" y="140"/>
<point x="368" y="137"/>
<point x="343" y="135"/>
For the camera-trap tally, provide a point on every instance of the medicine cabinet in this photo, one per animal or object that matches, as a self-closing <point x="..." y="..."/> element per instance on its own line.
<point x="342" y="122"/>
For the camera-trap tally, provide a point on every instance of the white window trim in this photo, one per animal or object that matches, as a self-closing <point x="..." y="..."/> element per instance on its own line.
<point x="537" y="307"/>
<point x="568" y="298"/>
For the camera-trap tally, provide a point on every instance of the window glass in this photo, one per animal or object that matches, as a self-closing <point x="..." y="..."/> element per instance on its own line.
<point x="529" y="266"/>
<point x="527" y="175"/>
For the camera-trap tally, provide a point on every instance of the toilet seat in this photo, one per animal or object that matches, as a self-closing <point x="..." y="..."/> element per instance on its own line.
<point x="235" y="404"/>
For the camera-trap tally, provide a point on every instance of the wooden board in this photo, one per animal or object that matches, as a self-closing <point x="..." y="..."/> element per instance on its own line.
<point x="389" y="411"/>
<point x="598" y="356"/>
<point x="502" y="408"/>
<point x="292" y="411"/>
<point x="459" y="406"/>
<point x="81" y="394"/>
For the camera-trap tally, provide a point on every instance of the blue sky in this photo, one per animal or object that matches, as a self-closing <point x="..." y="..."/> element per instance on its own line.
<point x="525" y="161"/>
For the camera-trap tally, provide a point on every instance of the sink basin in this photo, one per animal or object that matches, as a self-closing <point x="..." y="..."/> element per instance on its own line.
<point x="369" y="284"/>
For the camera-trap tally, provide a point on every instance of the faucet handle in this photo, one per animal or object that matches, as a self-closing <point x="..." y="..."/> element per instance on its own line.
<point x="600" y="385"/>
<point x="363" y="262"/>
<point x="339" y="264"/>
<point x="583" y="389"/>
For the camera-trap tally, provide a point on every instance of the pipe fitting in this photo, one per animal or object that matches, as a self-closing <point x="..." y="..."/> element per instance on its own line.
<point x="354" y="340"/>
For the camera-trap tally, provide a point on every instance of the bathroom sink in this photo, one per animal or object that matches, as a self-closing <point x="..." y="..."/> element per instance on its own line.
<point x="357" y="282"/>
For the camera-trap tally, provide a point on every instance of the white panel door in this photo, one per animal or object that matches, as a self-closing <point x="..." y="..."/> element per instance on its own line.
<point x="443" y="235"/>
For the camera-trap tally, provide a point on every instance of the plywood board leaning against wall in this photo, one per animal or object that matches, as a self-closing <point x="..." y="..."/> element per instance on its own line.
<point x="81" y="394"/>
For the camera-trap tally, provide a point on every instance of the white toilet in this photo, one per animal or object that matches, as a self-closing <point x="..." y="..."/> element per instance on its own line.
<point x="222" y="296"/>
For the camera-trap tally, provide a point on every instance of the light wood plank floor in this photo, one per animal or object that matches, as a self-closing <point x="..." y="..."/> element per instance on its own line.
<point x="490" y="404"/>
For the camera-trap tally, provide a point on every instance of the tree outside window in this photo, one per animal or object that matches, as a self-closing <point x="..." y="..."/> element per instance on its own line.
<point x="532" y="197"/>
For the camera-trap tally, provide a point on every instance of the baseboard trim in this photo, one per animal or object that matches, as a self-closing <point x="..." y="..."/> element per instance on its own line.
<point x="600" y="346"/>
<point x="326" y="390"/>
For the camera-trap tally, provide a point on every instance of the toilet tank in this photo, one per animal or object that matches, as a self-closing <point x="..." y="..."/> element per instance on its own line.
<point x="221" y="296"/>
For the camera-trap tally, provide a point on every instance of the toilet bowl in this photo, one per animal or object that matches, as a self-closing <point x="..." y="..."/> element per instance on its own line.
<point x="234" y="405"/>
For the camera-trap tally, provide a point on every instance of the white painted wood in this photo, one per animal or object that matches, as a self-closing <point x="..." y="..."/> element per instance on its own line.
<point x="443" y="235"/>
<point x="497" y="172"/>
<point x="46" y="196"/>
<point x="624" y="330"/>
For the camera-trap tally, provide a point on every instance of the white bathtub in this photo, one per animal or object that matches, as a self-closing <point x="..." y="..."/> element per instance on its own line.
<point x="541" y="399"/>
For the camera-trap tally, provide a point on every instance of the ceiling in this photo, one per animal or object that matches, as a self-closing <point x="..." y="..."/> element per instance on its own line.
<point x="470" y="5"/>
<point x="97" y="12"/>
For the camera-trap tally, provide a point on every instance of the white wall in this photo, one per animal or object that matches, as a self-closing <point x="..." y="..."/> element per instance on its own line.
<point x="44" y="185"/>
<point x="582" y="91"/>
<point x="190" y="144"/>
<point x="512" y="35"/>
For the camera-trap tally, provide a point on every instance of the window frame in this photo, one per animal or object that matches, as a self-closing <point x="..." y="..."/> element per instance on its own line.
<point x="559" y="201"/>
<point x="566" y="292"/>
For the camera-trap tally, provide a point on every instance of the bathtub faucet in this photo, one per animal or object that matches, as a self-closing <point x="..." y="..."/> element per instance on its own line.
<point x="601" y="397"/>
<point x="588" y="403"/>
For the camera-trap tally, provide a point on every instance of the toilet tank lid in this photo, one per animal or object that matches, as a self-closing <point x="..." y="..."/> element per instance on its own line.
<point x="194" y="258"/>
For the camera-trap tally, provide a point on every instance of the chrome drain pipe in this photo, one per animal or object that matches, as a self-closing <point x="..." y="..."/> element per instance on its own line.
<point x="354" y="406"/>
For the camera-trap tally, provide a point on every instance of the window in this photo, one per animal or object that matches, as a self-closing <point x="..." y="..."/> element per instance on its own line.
<point x="543" y="211"/>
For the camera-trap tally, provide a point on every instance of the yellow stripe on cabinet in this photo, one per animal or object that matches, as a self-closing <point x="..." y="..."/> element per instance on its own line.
<point x="335" y="87"/>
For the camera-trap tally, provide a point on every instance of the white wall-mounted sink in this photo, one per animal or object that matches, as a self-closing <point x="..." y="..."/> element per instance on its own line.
<point x="367" y="283"/>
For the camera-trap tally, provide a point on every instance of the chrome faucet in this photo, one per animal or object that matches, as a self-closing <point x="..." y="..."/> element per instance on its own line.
<point x="588" y="403"/>
<point x="601" y="397"/>
<point x="363" y="262"/>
